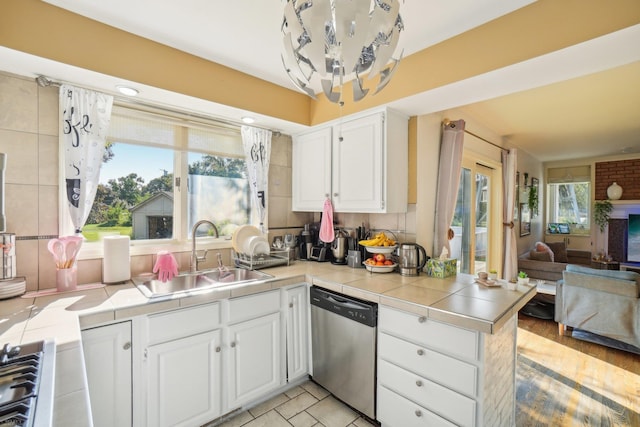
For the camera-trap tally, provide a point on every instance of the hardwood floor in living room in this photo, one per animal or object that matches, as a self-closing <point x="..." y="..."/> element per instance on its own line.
<point x="563" y="381"/>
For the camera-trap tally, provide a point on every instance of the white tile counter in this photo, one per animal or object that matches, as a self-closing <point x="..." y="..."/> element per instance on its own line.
<point x="457" y="300"/>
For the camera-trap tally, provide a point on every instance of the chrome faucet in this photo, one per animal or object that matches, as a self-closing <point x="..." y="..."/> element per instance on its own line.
<point x="194" y="254"/>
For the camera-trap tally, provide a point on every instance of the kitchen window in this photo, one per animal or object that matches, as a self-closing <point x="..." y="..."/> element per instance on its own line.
<point x="160" y="175"/>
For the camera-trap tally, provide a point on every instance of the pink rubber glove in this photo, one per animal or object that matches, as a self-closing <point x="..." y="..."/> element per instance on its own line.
<point x="166" y="266"/>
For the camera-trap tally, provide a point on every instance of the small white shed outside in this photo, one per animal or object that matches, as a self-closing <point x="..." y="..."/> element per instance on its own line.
<point x="153" y="218"/>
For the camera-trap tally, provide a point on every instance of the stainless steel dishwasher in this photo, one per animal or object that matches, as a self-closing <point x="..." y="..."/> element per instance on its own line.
<point x="343" y="331"/>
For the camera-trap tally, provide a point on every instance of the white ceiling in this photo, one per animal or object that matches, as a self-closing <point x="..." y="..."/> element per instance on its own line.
<point x="588" y="105"/>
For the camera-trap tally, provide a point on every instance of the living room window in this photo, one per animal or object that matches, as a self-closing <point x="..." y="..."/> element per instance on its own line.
<point x="162" y="173"/>
<point x="569" y="199"/>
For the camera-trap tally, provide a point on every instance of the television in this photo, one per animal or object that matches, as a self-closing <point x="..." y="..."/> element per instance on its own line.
<point x="633" y="238"/>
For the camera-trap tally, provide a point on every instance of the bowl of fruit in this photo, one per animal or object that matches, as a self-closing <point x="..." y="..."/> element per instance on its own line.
<point x="379" y="244"/>
<point x="379" y="263"/>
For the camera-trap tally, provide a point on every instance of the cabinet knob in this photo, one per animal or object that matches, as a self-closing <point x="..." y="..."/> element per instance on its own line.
<point x="422" y="319"/>
<point x="218" y="349"/>
<point x="418" y="413"/>
<point x="290" y="305"/>
<point x="420" y="352"/>
<point x="126" y="346"/>
<point x="419" y="383"/>
<point x="233" y="344"/>
<point x="335" y="194"/>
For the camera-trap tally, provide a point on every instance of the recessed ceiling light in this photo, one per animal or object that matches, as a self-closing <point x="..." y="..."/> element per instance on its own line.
<point x="248" y="120"/>
<point x="129" y="91"/>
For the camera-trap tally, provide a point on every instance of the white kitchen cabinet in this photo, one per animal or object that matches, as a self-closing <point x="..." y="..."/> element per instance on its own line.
<point x="366" y="158"/>
<point x="433" y="373"/>
<point x="297" y="332"/>
<point x="255" y="359"/>
<point x="182" y="366"/>
<point x="311" y="169"/>
<point x="184" y="380"/>
<point x="107" y="354"/>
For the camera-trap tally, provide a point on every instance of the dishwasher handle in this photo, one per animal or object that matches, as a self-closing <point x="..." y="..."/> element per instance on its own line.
<point x="344" y="302"/>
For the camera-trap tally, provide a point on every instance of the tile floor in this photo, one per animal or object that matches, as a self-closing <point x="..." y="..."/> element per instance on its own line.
<point x="307" y="405"/>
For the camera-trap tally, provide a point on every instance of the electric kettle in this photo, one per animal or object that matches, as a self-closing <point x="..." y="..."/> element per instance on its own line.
<point x="339" y="249"/>
<point x="411" y="259"/>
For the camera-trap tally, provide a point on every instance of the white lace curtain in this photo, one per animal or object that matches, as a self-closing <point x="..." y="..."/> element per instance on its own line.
<point x="509" y="162"/>
<point x="448" y="182"/>
<point x="257" y="150"/>
<point x="85" y="117"/>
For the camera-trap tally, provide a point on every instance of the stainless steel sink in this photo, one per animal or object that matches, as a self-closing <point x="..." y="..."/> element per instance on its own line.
<point x="152" y="287"/>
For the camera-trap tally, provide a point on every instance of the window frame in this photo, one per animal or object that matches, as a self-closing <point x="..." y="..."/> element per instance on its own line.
<point x="550" y="194"/>
<point x="181" y="237"/>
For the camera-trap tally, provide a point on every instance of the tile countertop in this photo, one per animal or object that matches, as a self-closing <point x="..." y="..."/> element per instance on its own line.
<point x="456" y="300"/>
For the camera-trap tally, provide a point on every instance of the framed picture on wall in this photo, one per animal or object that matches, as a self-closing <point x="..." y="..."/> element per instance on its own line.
<point x="525" y="220"/>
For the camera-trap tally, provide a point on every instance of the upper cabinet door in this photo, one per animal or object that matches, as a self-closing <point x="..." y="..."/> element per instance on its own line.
<point x="311" y="171"/>
<point x="361" y="163"/>
<point x="358" y="173"/>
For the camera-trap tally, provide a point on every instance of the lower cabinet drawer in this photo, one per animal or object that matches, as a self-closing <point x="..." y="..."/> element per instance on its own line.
<point x="183" y="322"/>
<point x="449" y="339"/>
<point x="440" y="400"/>
<point x="396" y="411"/>
<point x="254" y="306"/>
<point x="447" y="371"/>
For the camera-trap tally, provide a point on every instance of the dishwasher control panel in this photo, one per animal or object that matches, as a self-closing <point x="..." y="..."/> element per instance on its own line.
<point x="364" y="312"/>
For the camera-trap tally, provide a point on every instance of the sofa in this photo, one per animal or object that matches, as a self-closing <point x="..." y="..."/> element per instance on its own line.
<point x="603" y="302"/>
<point x="548" y="261"/>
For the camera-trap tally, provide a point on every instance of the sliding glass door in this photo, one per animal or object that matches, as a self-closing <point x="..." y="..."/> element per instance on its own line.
<point x="474" y="221"/>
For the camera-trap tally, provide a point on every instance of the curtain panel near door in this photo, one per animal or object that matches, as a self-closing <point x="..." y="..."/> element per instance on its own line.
<point x="448" y="183"/>
<point x="85" y="117"/>
<point x="257" y="151"/>
<point x="510" y="264"/>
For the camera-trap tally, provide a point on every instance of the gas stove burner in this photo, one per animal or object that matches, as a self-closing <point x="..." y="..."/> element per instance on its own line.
<point x="26" y="384"/>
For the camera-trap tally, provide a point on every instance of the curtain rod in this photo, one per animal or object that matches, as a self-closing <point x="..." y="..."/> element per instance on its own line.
<point x="44" y="81"/>
<point x="446" y="122"/>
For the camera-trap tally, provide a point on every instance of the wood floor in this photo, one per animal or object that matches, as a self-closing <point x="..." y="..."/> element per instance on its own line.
<point x="563" y="381"/>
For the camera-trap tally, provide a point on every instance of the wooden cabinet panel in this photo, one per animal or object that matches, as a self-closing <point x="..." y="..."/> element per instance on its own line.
<point x="107" y="354"/>
<point x="183" y="381"/>
<point x="450" y="339"/>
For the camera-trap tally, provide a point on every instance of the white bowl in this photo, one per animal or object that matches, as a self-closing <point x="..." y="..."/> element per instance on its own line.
<point x="381" y="249"/>
<point x="380" y="268"/>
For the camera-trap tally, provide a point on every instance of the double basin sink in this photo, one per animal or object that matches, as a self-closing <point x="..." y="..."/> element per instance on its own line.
<point x="185" y="283"/>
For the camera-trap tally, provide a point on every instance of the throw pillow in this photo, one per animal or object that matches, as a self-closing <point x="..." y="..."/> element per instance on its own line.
<point x="559" y="251"/>
<point x="539" y="256"/>
<point x="541" y="247"/>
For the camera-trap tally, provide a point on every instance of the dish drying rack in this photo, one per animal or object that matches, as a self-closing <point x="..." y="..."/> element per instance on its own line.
<point x="255" y="262"/>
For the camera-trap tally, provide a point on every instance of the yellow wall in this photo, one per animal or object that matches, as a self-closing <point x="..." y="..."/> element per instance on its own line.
<point x="38" y="28"/>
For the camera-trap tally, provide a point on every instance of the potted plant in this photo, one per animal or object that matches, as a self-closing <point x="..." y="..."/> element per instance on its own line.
<point x="533" y="200"/>
<point x="523" y="279"/>
<point x="601" y="212"/>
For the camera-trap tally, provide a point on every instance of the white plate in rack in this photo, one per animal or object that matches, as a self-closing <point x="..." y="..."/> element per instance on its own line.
<point x="381" y="249"/>
<point x="241" y="235"/>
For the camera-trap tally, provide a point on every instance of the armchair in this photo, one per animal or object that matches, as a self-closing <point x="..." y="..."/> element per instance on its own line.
<point x="603" y="302"/>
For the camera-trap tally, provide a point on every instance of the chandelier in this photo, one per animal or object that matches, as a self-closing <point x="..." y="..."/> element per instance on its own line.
<point x="336" y="41"/>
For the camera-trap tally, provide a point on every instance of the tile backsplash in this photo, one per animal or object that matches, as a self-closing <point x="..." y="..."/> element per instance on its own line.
<point x="29" y="137"/>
